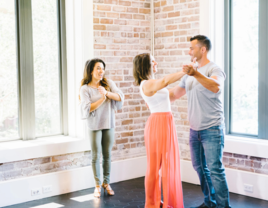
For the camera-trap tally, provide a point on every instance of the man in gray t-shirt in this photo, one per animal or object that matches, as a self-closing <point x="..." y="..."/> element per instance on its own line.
<point x="203" y="84"/>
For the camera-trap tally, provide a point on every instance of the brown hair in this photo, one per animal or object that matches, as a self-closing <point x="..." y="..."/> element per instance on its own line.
<point x="87" y="76"/>
<point x="141" y="67"/>
<point x="203" y="40"/>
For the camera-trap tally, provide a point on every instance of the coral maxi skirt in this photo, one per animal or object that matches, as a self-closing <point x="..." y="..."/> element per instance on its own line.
<point x="162" y="153"/>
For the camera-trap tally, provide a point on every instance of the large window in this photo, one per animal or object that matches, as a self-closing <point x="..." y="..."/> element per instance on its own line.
<point x="32" y="59"/>
<point x="8" y="72"/>
<point x="246" y="40"/>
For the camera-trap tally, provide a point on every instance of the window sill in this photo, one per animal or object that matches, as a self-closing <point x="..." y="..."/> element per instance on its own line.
<point x="41" y="147"/>
<point x="246" y="146"/>
<point x="59" y="145"/>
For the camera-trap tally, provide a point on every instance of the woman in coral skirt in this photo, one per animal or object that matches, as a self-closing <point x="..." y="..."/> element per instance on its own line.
<point x="160" y="135"/>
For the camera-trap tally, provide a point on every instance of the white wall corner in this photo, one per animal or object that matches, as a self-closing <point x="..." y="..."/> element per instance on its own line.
<point x="212" y="26"/>
<point x="80" y="47"/>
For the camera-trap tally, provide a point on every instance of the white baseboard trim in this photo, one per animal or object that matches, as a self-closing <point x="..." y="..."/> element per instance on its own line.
<point x="19" y="190"/>
<point x="235" y="179"/>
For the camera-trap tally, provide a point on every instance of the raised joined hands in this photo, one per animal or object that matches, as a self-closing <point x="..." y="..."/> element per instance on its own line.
<point x="190" y="69"/>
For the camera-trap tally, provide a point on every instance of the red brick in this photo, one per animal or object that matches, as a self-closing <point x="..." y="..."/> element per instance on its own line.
<point x="138" y="16"/>
<point x="121" y="141"/>
<point x="126" y="59"/>
<point x="193" y="5"/>
<point x="138" y="133"/>
<point x="99" y="27"/>
<point x="104" y="7"/>
<point x="134" y="145"/>
<point x="126" y="134"/>
<point x="125" y="3"/>
<point x="163" y="3"/>
<point x="147" y="5"/>
<point x="97" y="46"/>
<point x="139" y="29"/>
<point x="185" y="26"/>
<point x="119" y="9"/>
<point x="144" y="11"/>
<point x="161" y="16"/>
<point x="120" y="40"/>
<point x="112" y="27"/>
<point x="126" y="122"/>
<point x="134" y="115"/>
<point x="193" y="18"/>
<point x="96" y="20"/>
<point x="174" y="14"/>
<point x="107" y="53"/>
<point x="119" y="53"/>
<point x="133" y="22"/>
<point x="117" y="78"/>
<point x="106" y="21"/>
<point x="126" y="16"/>
<point x="159" y="47"/>
<point x="182" y="32"/>
<point x="107" y="34"/>
<point x="113" y="15"/>
<point x="133" y="41"/>
<point x="171" y="27"/>
<point x="47" y="167"/>
<point x="157" y="4"/>
<point x="168" y="8"/>
<point x="157" y="10"/>
<point x="167" y="34"/>
<point x="99" y="14"/>
<point x="110" y="1"/>
<point x="132" y="10"/>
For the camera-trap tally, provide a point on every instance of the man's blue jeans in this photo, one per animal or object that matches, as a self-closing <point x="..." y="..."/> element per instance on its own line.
<point x="206" y="154"/>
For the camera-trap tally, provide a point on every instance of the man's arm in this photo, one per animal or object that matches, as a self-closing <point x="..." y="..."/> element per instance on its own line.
<point x="176" y="93"/>
<point x="212" y="83"/>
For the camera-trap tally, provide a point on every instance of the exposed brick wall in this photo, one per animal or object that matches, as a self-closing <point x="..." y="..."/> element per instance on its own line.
<point x="44" y="165"/>
<point x="175" y="22"/>
<point x="121" y="31"/>
<point x="246" y="163"/>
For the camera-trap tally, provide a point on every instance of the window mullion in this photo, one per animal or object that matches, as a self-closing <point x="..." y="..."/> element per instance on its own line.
<point x="263" y="70"/>
<point x="227" y="56"/>
<point x="63" y="67"/>
<point x="26" y="70"/>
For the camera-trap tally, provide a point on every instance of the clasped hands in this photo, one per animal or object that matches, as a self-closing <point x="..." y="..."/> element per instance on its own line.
<point x="102" y="91"/>
<point x="190" y="69"/>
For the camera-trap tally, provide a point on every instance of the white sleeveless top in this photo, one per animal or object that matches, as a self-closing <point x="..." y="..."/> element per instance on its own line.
<point x="159" y="102"/>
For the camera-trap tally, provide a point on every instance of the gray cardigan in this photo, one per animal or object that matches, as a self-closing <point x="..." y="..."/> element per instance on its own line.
<point x="104" y="116"/>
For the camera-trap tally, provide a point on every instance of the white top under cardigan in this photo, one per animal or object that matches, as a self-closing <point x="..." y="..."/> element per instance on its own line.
<point x="159" y="102"/>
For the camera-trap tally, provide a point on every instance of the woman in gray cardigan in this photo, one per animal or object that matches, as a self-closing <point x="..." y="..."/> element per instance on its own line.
<point x="99" y="98"/>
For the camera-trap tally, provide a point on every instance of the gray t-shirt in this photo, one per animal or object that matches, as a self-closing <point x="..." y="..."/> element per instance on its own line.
<point x="205" y="108"/>
<point x="104" y="116"/>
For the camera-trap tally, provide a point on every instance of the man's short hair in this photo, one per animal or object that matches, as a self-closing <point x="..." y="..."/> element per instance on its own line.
<point x="203" y="40"/>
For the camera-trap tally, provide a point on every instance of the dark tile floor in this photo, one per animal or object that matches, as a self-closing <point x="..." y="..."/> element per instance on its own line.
<point x="130" y="194"/>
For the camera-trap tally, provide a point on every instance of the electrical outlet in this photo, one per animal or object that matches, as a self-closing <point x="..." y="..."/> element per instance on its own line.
<point x="248" y="188"/>
<point x="36" y="192"/>
<point x="47" y="189"/>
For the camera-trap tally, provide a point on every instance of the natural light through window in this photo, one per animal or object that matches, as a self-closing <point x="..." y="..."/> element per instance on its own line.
<point x="244" y="68"/>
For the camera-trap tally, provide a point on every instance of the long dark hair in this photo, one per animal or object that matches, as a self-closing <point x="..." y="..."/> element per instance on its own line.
<point x="141" y="67"/>
<point x="87" y="76"/>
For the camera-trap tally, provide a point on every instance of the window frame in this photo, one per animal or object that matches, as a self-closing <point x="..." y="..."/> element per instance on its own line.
<point x="25" y="69"/>
<point x="263" y="73"/>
